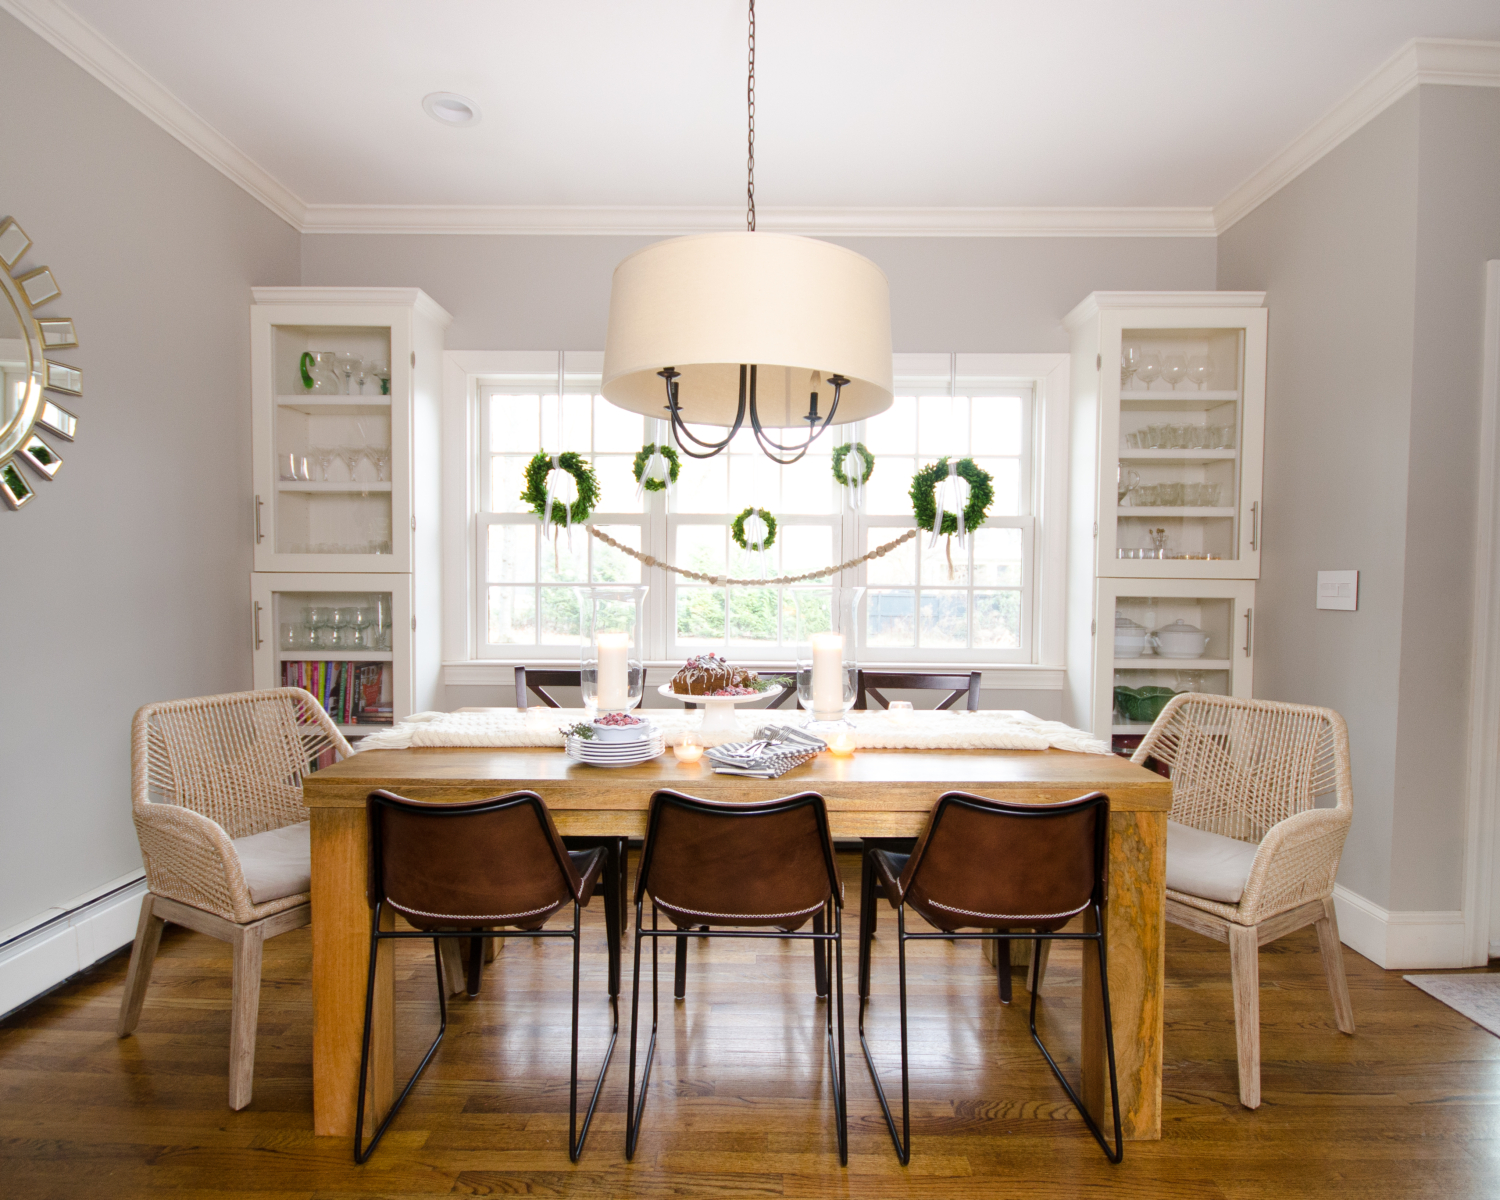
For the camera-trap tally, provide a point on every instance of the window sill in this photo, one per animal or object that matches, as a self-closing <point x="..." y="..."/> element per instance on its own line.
<point x="1009" y="677"/>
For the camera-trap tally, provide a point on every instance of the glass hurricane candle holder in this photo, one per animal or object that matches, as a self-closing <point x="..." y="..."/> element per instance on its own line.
<point x="611" y="674"/>
<point x="827" y="640"/>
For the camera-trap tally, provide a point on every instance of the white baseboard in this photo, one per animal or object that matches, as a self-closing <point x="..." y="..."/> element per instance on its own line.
<point x="1401" y="941"/>
<point x="69" y="939"/>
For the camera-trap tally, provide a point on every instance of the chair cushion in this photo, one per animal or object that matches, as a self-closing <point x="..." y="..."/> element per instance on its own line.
<point x="277" y="863"/>
<point x="1209" y="865"/>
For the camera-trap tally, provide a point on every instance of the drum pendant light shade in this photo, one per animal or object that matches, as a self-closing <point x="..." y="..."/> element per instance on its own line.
<point x="795" y="307"/>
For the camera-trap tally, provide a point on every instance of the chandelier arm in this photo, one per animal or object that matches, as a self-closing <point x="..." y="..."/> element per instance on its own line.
<point x="679" y="426"/>
<point x="816" y="428"/>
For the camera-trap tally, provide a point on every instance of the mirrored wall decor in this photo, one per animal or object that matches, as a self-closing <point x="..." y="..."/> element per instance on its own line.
<point x="26" y="374"/>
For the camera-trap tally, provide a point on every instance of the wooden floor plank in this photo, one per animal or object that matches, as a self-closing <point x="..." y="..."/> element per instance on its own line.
<point x="740" y="1102"/>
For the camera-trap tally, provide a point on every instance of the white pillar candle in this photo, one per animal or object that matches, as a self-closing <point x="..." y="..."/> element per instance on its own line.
<point x="614" y="672"/>
<point x="828" y="675"/>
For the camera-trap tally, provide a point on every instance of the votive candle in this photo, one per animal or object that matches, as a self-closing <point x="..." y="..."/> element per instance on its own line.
<point x="841" y="745"/>
<point x="689" y="749"/>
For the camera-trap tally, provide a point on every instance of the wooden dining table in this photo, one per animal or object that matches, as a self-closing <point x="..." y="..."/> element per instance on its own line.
<point x="875" y="793"/>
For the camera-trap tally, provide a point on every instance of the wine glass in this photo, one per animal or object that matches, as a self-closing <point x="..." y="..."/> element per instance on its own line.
<point x="1130" y="363"/>
<point x="1174" y="369"/>
<point x="1200" y="369"/>
<point x="360" y="375"/>
<point x="325" y="456"/>
<point x="363" y="619"/>
<point x="348" y="364"/>
<point x="1149" y="371"/>
<point x="381" y="457"/>
<point x="350" y="456"/>
<point x="383" y="376"/>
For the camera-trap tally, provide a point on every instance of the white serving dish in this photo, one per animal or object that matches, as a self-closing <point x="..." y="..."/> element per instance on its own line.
<point x="1180" y="640"/>
<point x="639" y="732"/>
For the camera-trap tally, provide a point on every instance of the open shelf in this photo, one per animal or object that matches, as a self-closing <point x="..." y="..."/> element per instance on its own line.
<point x="1149" y="512"/>
<point x="334" y="656"/>
<point x="337" y="406"/>
<point x="1155" y="662"/>
<point x="1191" y="457"/>
<point x="334" y="485"/>
<point x="1176" y="401"/>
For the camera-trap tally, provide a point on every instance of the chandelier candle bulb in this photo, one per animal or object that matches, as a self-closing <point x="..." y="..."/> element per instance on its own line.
<point x="827" y="676"/>
<point x="614" y="672"/>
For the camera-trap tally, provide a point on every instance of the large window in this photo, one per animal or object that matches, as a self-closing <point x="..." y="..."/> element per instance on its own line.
<point x="925" y="602"/>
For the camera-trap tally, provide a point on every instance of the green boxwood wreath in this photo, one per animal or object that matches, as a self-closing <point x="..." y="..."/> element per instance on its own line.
<point x="737" y="530"/>
<point x="842" y="453"/>
<point x="535" y="494"/>
<point x="981" y="495"/>
<point x="643" y="456"/>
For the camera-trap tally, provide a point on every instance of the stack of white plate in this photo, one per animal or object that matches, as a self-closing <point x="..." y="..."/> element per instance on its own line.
<point x="617" y="754"/>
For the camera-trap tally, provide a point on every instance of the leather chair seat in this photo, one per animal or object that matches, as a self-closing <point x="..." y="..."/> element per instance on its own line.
<point x="277" y="863"/>
<point x="889" y="866"/>
<point x="588" y="864"/>
<point x="1208" y="865"/>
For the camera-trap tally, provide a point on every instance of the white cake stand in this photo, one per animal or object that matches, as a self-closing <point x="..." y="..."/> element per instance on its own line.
<point x="718" y="711"/>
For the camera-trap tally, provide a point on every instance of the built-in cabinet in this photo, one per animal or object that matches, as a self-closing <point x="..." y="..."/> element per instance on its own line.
<point x="344" y="597"/>
<point x="1168" y="413"/>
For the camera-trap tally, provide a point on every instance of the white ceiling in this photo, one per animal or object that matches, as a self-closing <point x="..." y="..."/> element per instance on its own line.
<point x="861" y="103"/>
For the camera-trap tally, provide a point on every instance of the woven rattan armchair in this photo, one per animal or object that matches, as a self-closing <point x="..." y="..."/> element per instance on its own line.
<point x="216" y="788"/>
<point x="1246" y="779"/>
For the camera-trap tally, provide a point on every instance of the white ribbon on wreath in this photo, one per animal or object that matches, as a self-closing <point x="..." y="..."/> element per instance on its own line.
<point x="950" y="494"/>
<point x="657" y="467"/>
<point x="562" y="488"/>
<point x="854" y="472"/>
<point x="756" y="533"/>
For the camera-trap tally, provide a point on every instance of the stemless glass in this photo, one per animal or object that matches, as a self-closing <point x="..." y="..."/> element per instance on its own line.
<point x="1149" y="371"/>
<point x="1174" y="369"/>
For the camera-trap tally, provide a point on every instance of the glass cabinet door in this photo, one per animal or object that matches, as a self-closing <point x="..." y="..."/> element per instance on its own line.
<point x="1180" y="636"/>
<point x="332" y="457"/>
<point x="344" y="638"/>
<point x="1181" y="446"/>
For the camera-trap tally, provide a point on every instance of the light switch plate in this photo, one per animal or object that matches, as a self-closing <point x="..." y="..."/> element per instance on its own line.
<point x="1338" y="589"/>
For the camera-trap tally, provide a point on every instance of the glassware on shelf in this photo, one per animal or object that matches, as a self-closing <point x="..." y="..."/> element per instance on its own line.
<point x="1159" y="542"/>
<point x="323" y="456"/>
<point x="1208" y="494"/>
<point x="289" y="634"/>
<point x="1174" y="369"/>
<point x="319" y="373"/>
<point x="342" y="617"/>
<point x="361" y="373"/>
<point x="382" y="375"/>
<point x="1200" y="369"/>
<point x="1157" y="436"/>
<point x="380" y="456"/>
<point x="380" y="612"/>
<point x="348" y="365"/>
<point x="351" y="457"/>
<point x="294" y="467"/>
<point x="1126" y="481"/>
<point x="1130" y="362"/>
<point x="346" y="638"/>
<point x="1149" y="371"/>
<point x="363" y="620"/>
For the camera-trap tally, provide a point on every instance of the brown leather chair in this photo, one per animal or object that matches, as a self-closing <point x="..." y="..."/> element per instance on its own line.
<point x="1012" y="872"/>
<point x="964" y="683"/>
<point x="452" y="870"/>
<point x="753" y="870"/>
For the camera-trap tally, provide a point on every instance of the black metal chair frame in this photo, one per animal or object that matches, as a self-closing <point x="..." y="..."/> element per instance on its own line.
<point x="576" y="1135"/>
<point x="965" y="683"/>
<point x="831" y="914"/>
<point x="902" y="1140"/>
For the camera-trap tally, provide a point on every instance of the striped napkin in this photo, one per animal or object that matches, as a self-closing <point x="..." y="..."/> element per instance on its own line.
<point x="775" y="750"/>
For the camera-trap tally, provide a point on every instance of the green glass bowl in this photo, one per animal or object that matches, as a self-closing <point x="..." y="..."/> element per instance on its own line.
<point x="1142" y="705"/>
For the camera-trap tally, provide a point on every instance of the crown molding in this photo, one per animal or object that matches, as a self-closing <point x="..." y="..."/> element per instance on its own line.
<point x="818" y="222"/>
<point x="1443" y="61"/>
<point x="68" y="33"/>
<point x="1439" y="61"/>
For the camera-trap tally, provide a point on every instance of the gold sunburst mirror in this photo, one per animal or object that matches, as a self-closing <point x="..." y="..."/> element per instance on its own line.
<point x="27" y="375"/>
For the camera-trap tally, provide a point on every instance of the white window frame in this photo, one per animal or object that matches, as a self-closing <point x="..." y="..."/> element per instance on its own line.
<point x="1044" y="599"/>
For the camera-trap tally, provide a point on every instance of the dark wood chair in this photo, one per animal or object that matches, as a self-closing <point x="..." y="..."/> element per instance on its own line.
<point x="995" y="871"/>
<point x="956" y="684"/>
<point x="538" y="681"/>
<point x="484" y="867"/>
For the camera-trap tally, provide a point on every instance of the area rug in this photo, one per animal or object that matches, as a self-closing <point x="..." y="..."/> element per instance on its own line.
<point x="1476" y="996"/>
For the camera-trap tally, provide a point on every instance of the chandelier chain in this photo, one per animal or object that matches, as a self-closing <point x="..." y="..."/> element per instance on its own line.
<point x="750" y="157"/>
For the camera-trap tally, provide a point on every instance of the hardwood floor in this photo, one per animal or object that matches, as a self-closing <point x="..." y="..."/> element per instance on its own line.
<point x="740" y="1099"/>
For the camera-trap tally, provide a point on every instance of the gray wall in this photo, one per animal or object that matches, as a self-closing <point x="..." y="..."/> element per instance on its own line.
<point x="981" y="295"/>
<point x="125" y="578"/>
<point x="1373" y="265"/>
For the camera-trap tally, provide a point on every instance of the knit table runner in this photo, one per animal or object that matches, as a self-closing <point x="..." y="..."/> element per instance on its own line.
<point x="991" y="729"/>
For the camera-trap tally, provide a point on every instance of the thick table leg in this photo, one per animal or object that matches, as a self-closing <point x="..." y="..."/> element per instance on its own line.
<point x="1136" y="919"/>
<point x="341" y="942"/>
